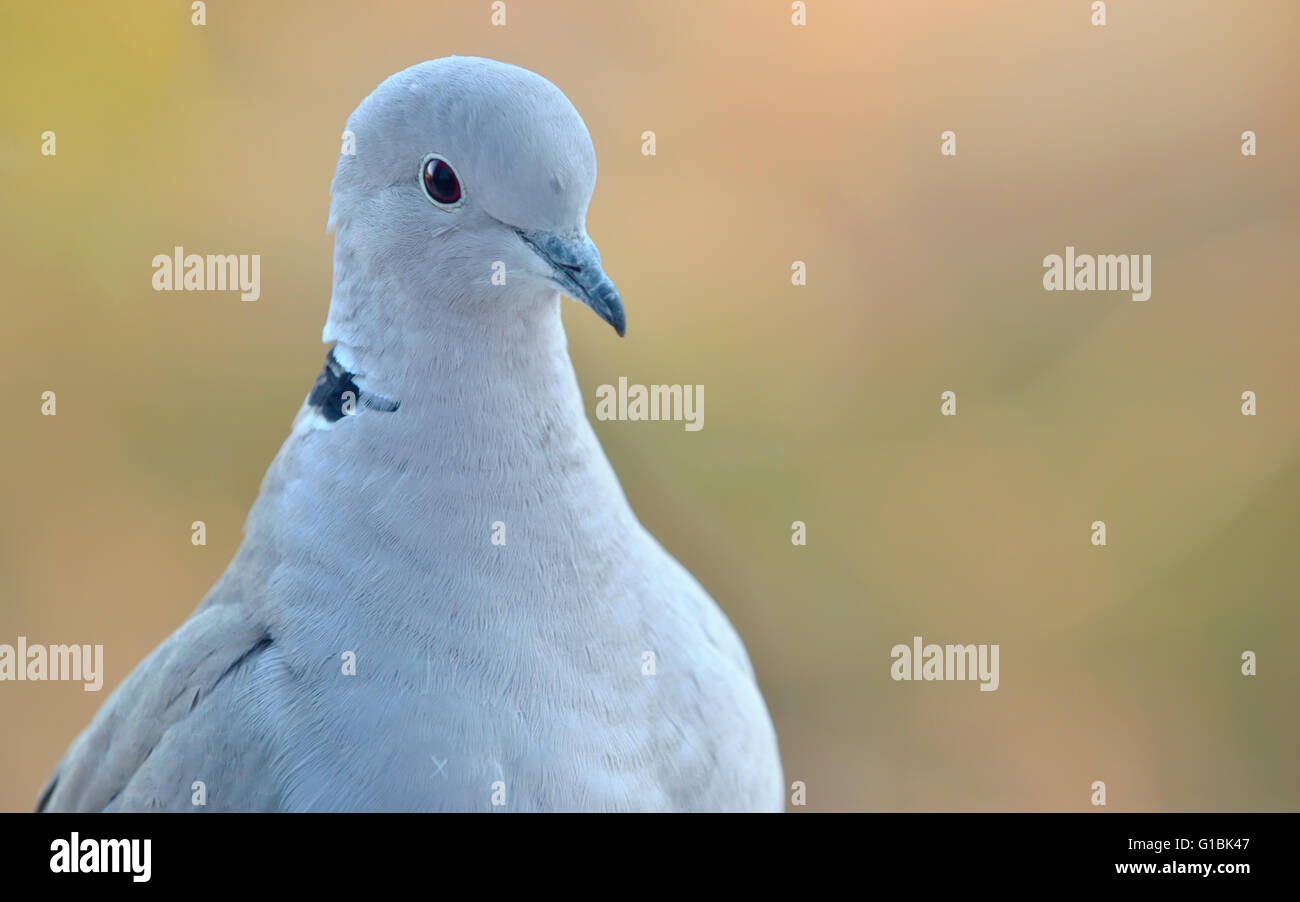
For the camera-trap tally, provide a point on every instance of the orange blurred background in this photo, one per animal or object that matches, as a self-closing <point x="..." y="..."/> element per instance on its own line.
<point x="775" y="143"/>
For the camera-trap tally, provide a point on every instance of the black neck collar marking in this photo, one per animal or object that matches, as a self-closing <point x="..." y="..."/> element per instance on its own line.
<point x="327" y="395"/>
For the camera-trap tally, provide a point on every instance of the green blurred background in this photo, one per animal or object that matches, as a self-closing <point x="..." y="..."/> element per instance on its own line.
<point x="775" y="144"/>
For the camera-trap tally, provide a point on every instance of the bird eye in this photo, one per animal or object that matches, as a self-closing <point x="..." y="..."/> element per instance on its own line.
<point x="440" y="182"/>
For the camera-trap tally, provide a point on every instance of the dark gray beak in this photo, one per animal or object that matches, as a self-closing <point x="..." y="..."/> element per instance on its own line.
<point x="575" y="263"/>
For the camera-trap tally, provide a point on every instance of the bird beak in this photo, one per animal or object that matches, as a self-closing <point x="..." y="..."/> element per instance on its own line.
<point x="575" y="265"/>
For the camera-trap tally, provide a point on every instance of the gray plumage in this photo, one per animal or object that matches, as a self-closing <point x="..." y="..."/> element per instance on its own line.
<point x="483" y="671"/>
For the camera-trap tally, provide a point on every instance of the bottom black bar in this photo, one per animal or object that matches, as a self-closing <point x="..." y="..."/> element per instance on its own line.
<point x="1151" y="852"/>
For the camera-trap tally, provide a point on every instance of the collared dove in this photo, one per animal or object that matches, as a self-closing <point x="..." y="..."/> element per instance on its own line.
<point x="443" y="600"/>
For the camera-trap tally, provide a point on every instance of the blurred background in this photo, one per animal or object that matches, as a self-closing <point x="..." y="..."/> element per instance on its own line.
<point x="774" y="144"/>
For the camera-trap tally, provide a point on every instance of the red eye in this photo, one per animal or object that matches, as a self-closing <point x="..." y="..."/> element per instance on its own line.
<point x="440" y="182"/>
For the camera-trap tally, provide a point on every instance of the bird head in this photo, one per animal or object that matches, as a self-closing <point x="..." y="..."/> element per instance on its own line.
<point x="465" y="194"/>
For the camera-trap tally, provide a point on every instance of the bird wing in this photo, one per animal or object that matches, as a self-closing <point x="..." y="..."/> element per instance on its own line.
<point x="164" y="693"/>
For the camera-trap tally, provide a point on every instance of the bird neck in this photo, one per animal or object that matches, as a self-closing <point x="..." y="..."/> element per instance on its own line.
<point x="490" y="398"/>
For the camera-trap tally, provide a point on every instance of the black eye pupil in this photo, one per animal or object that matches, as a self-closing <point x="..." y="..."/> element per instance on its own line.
<point x="440" y="182"/>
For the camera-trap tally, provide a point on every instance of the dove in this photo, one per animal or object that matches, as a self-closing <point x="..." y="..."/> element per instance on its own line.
<point x="443" y="600"/>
